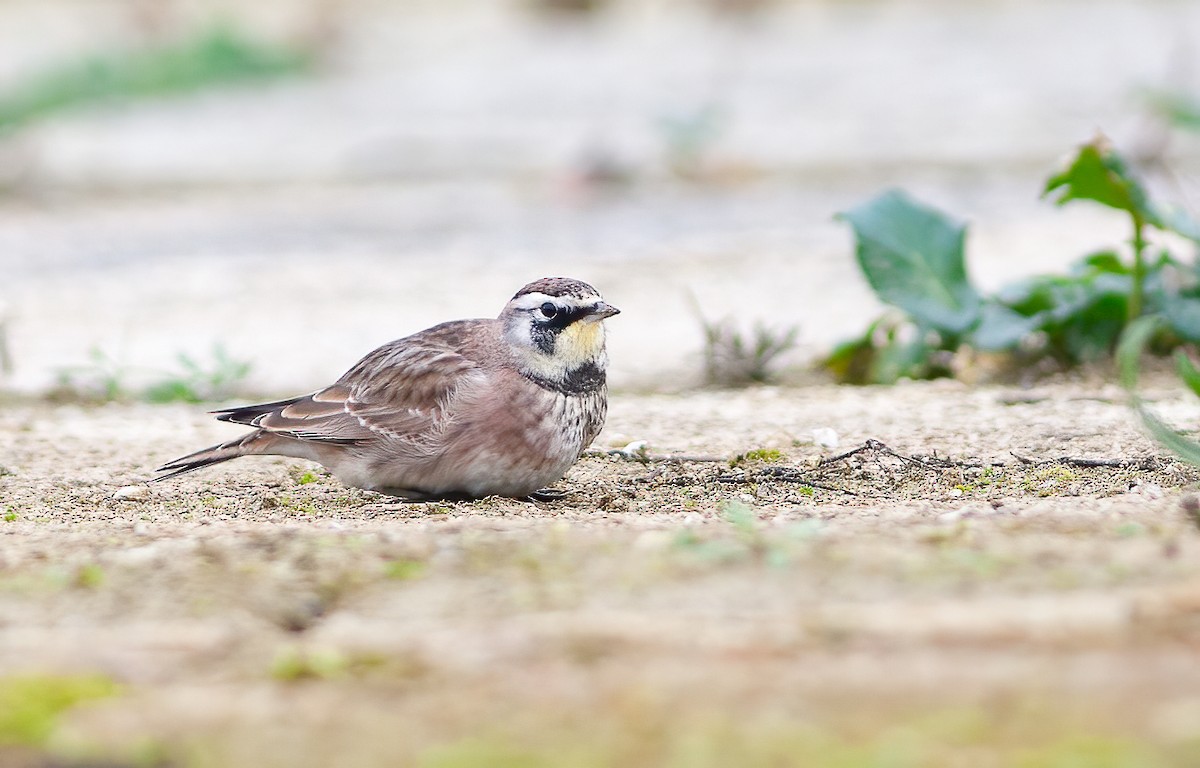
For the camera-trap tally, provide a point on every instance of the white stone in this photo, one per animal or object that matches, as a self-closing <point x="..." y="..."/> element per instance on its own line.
<point x="825" y="438"/>
<point x="132" y="493"/>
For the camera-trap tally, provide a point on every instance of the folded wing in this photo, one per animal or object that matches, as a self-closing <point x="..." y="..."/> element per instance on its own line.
<point x="403" y="391"/>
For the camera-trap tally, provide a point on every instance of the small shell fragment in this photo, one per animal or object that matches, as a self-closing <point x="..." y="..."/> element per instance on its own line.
<point x="132" y="493"/>
<point x="825" y="437"/>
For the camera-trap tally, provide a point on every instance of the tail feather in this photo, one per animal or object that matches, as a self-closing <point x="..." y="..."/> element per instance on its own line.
<point x="216" y="454"/>
<point x="247" y="414"/>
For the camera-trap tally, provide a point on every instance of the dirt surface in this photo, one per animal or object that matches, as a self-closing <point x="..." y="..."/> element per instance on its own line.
<point x="964" y="590"/>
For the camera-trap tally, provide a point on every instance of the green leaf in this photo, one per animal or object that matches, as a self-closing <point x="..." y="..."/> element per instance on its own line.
<point x="1092" y="332"/>
<point x="1183" y="315"/>
<point x="1129" y="349"/>
<point x="912" y="256"/>
<point x="1001" y="328"/>
<point x="1176" y="443"/>
<point x="1102" y="261"/>
<point x="1099" y="174"/>
<point x="1129" y="352"/>
<point x="1180" y="222"/>
<point x="1188" y="372"/>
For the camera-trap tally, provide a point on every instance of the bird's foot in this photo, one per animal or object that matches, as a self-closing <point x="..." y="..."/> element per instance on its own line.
<point x="410" y="496"/>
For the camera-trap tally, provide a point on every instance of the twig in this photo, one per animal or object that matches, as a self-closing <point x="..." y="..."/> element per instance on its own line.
<point x="1146" y="463"/>
<point x="870" y="445"/>
<point x="876" y="446"/>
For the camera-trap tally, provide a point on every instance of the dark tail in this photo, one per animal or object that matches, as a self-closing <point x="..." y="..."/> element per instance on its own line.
<point x="249" y="414"/>
<point x="215" y="455"/>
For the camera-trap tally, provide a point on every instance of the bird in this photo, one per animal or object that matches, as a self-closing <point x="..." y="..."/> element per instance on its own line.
<point x="463" y="410"/>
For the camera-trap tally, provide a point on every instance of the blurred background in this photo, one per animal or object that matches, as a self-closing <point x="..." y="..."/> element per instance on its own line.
<point x="265" y="191"/>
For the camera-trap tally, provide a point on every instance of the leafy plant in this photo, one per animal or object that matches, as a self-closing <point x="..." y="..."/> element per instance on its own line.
<point x="764" y="455"/>
<point x="105" y="378"/>
<point x="305" y="477"/>
<point x="197" y="382"/>
<point x="913" y="257"/>
<point x="216" y="55"/>
<point x="735" y="359"/>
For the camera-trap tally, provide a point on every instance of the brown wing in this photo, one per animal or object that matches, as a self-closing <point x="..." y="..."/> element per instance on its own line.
<point x="403" y="391"/>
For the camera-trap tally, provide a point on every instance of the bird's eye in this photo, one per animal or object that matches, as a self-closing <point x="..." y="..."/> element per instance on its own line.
<point x="548" y="310"/>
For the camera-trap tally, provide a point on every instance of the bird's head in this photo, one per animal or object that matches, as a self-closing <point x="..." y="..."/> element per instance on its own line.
<point x="554" y="327"/>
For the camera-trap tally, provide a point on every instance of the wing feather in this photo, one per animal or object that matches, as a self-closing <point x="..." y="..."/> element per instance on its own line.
<point x="403" y="391"/>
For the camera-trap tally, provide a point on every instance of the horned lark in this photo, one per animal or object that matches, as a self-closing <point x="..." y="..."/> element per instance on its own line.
<point x="467" y="408"/>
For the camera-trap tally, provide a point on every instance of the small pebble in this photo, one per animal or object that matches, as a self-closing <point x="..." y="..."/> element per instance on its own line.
<point x="132" y="493"/>
<point x="634" y="449"/>
<point x="825" y="438"/>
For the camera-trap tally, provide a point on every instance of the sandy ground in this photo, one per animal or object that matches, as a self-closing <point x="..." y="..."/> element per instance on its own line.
<point x="982" y="602"/>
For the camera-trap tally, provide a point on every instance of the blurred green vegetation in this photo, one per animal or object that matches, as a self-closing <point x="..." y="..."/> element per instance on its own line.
<point x="1180" y="110"/>
<point x="104" y="378"/>
<point x="31" y="705"/>
<point x="216" y="55"/>
<point x="913" y="256"/>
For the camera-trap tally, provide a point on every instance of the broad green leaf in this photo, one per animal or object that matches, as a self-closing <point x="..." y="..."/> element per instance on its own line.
<point x="1103" y="261"/>
<point x="1001" y="328"/>
<point x="1099" y="174"/>
<point x="1033" y="295"/>
<point x="1180" y="222"/>
<point x="1093" y="332"/>
<point x="1187" y="371"/>
<point x="912" y="256"/>
<point x="1183" y="315"/>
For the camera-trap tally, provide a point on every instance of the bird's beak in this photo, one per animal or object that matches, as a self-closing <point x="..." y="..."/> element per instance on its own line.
<point x="601" y="310"/>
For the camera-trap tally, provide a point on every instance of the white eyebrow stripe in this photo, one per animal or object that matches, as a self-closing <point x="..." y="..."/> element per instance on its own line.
<point x="537" y="299"/>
